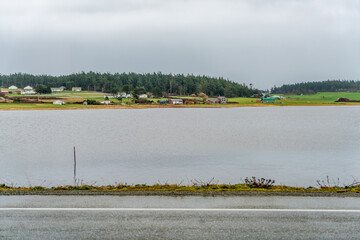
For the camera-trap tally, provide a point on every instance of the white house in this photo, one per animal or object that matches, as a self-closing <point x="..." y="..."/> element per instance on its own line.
<point x="76" y="89"/>
<point x="176" y="101"/>
<point x="58" y="102"/>
<point x="28" y="90"/>
<point x="13" y="87"/>
<point x="122" y="94"/>
<point x="143" y="96"/>
<point x="59" y="89"/>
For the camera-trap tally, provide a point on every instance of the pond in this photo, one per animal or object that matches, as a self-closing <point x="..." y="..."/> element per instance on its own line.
<point x="293" y="145"/>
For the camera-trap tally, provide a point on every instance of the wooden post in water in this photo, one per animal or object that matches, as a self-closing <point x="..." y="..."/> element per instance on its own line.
<point x="74" y="167"/>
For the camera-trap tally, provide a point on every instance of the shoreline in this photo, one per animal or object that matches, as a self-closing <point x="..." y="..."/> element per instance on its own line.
<point x="181" y="193"/>
<point x="91" y="107"/>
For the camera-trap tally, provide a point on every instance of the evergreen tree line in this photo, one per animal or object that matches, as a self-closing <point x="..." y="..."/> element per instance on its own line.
<point x="314" y="87"/>
<point x="152" y="82"/>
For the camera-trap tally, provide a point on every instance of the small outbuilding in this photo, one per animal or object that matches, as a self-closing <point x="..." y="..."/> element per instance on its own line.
<point x="76" y="89"/>
<point x="176" y="101"/>
<point x="105" y="102"/>
<point x="13" y="87"/>
<point x="58" y="102"/>
<point x="143" y="96"/>
<point x="59" y="89"/>
<point x="268" y="100"/>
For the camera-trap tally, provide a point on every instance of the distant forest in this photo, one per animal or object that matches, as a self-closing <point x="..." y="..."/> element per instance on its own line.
<point x="168" y="83"/>
<point x="314" y="87"/>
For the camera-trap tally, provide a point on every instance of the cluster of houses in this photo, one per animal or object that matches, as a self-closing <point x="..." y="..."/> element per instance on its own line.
<point x="218" y="100"/>
<point x="62" y="88"/>
<point x="174" y="101"/>
<point x="128" y="95"/>
<point x="28" y="90"/>
<point x="14" y="89"/>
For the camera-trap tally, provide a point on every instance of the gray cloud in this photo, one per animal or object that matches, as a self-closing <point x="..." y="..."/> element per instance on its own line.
<point x="251" y="41"/>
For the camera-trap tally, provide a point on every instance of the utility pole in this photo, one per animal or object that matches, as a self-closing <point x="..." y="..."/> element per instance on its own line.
<point x="74" y="167"/>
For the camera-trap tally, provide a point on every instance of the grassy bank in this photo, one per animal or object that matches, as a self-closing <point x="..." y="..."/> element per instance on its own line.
<point x="182" y="188"/>
<point x="318" y="99"/>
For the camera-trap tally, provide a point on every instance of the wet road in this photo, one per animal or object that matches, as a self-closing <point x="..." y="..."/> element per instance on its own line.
<point x="119" y="217"/>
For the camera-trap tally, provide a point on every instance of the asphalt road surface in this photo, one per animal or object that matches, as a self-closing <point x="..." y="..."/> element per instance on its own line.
<point x="126" y="217"/>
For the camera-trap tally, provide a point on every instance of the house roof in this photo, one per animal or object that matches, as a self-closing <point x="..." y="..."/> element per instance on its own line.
<point x="28" y="88"/>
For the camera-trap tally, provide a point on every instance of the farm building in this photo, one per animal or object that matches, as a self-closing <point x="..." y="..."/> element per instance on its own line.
<point x="76" y="89"/>
<point x="143" y="96"/>
<point x="268" y="100"/>
<point x="59" y="89"/>
<point x="28" y="90"/>
<point x="13" y="87"/>
<point x="175" y="101"/>
<point x="212" y="101"/>
<point x="222" y="100"/>
<point x="58" y="102"/>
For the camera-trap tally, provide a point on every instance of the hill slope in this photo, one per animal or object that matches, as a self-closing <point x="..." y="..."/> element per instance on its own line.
<point x="173" y="84"/>
<point x="314" y="87"/>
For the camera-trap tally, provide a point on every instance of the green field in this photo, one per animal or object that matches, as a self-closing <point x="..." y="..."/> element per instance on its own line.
<point x="312" y="99"/>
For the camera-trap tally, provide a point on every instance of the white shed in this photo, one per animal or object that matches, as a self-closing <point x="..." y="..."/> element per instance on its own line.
<point x="76" y="89"/>
<point x="176" y="101"/>
<point x="105" y="102"/>
<point x="58" y="102"/>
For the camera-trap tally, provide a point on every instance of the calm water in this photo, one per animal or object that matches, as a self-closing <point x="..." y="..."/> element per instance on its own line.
<point x="293" y="145"/>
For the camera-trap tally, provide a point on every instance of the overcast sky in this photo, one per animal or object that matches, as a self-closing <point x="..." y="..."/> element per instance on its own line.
<point x="263" y="42"/>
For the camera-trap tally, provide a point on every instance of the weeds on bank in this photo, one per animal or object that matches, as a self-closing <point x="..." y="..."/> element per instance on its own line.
<point x="249" y="184"/>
